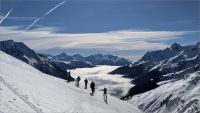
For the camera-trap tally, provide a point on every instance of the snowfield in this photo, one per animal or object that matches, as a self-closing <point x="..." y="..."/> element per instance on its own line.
<point x="117" y="85"/>
<point x="180" y="96"/>
<point x="23" y="89"/>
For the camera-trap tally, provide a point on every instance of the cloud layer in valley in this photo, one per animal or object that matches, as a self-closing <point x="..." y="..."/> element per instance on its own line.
<point x="117" y="85"/>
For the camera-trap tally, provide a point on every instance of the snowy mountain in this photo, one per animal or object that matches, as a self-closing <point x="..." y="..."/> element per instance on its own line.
<point x="153" y="67"/>
<point x="97" y="59"/>
<point x="175" y="96"/>
<point x="164" y="69"/>
<point x="157" y="56"/>
<point x="72" y="64"/>
<point x="24" y="89"/>
<point x="20" y="51"/>
<point x="65" y="61"/>
<point x="62" y="57"/>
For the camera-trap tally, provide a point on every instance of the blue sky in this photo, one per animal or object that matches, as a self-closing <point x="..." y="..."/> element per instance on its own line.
<point x="126" y="28"/>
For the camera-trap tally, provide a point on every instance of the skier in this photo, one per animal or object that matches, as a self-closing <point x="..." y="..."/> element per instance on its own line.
<point x="77" y="81"/>
<point x="105" y="95"/>
<point x="68" y="76"/>
<point x="92" y="86"/>
<point x="86" y="81"/>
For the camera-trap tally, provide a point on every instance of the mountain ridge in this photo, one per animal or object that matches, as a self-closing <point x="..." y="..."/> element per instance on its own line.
<point x="20" y="51"/>
<point x="153" y="65"/>
<point x="96" y="59"/>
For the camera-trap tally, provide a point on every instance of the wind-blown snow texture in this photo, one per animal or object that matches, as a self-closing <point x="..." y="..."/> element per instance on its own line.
<point x="24" y="89"/>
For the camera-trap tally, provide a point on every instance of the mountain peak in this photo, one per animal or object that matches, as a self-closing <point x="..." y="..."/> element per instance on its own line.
<point x="198" y="44"/>
<point x="77" y="55"/>
<point x="63" y="53"/>
<point x="63" y="57"/>
<point x="16" y="49"/>
<point x="175" y="45"/>
<point x="8" y="40"/>
<point x="159" y="55"/>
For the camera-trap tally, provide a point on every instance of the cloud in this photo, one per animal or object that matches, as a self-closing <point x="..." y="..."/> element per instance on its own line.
<point x="47" y="13"/>
<point x="46" y="38"/>
<point x="117" y="85"/>
<point x="21" y="18"/>
<point x="35" y="21"/>
<point x="2" y="19"/>
<point x="54" y="8"/>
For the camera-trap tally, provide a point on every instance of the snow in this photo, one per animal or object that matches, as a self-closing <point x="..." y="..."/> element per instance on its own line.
<point x="181" y="96"/>
<point x="118" y="85"/>
<point x="24" y="89"/>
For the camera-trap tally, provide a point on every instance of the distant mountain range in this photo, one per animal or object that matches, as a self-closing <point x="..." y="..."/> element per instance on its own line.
<point x="171" y="63"/>
<point x="97" y="59"/>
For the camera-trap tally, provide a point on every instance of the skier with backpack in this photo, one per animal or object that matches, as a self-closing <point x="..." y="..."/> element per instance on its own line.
<point x="105" y="95"/>
<point x="68" y="76"/>
<point x="86" y="81"/>
<point x="77" y="81"/>
<point x="92" y="86"/>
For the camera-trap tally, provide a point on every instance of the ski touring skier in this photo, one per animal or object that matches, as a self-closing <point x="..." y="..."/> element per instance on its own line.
<point x="77" y="81"/>
<point x="68" y="76"/>
<point x="105" y="95"/>
<point x="86" y="81"/>
<point x="92" y="86"/>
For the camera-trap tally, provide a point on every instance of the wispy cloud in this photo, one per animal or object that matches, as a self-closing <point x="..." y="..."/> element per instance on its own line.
<point x="46" y="38"/>
<point x="54" y="8"/>
<point x="21" y="18"/>
<point x="35" y="21"/>
<point x="4" y="17"/>
<point x="47" y="13"/>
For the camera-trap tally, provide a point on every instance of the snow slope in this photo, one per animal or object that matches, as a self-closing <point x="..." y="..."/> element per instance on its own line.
<point x="181" y="96"/>
<point x="118" y="85"/>
<point x="24" y="89"/>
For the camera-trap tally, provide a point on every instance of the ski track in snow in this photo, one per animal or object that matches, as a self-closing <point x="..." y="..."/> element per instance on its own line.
<point x="76" y="106"/>
<point x="22" y="97"/>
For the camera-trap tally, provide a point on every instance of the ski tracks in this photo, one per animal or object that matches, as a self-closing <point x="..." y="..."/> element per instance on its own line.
<point x="76" y="106"/>
<point x="22" y="97"/>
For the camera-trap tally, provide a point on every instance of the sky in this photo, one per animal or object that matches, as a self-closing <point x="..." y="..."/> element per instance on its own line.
<point x="127" y="28"/>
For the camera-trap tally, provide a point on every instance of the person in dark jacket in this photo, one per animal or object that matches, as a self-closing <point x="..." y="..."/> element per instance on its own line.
<point x="92" y="86"/>
<point x="105" y="95"/>
<point x="68" y="76"/>
<point x="77" y="81"/>
<point x="86" y="81"/>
